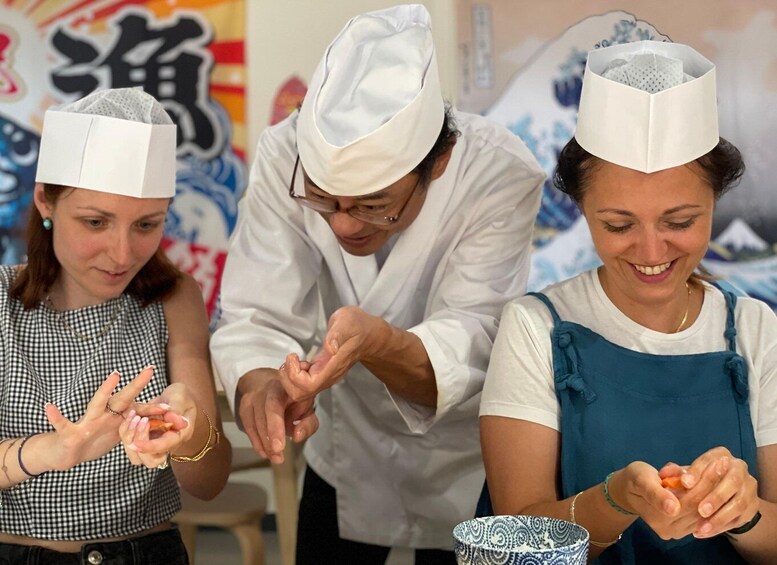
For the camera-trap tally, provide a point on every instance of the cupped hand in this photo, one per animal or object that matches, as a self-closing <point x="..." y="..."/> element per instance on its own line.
<point x="269" y="415"/>
<point x="143" y="445"/>
<point x="721" y="491"/>
<point x="97" y="431"/>
<point x="670" y="514"/>
<point x="350" y="337"/>
<point x="296" y="380"/>
<point x="134" y="431"/>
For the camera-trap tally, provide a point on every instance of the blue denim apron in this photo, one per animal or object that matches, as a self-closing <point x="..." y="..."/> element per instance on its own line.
<point x="619" y="406"/>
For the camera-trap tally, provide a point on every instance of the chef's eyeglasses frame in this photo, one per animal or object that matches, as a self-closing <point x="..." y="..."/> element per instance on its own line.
<point x="330" y="206"/>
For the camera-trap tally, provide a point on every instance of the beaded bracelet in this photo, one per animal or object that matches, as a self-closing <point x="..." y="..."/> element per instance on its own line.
<point x="19" y="457"/>
<point x="610" y="501"/>
<point x="592" y="542"/>
<point x="206" y="448"/>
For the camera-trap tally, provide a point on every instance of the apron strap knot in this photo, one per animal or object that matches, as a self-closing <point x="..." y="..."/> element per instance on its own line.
<point x="569" y="377"/>
<point x="575" y="381"/>
<point x="737" y="368"/>
<point x="563" y="339"/>
<point x="731" y="337"/>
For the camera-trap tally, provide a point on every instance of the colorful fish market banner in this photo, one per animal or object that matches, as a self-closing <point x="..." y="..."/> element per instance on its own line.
<point x="521" y="64"/>
<point x="189" y="54"/>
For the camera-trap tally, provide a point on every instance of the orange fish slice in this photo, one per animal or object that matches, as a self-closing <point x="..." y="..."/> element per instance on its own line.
<point x="156" y="425"/>
<point x="672" y="482"/>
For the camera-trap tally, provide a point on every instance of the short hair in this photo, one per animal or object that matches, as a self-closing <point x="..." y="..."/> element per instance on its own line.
<point x="446" y="138"/>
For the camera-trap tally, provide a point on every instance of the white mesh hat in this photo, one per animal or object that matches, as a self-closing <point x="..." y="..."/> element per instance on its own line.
<point x="648" y="105"/>
<point x="374" y="107"/>
<point x="119" y="141"/>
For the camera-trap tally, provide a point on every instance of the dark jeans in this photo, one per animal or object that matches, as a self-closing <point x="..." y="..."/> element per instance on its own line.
<point x="161" y="548"/>
<point x="318" y="537"/>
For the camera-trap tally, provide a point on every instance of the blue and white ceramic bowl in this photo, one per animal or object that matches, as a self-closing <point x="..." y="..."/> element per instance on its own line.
<point x="520" y="540"/>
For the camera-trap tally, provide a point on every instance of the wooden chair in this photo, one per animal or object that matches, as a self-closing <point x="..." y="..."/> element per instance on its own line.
<point x="239" y="508"/>
<point x="284" y="478"/>
<point x="287" y="501"/>
<point x="285" y="489"/>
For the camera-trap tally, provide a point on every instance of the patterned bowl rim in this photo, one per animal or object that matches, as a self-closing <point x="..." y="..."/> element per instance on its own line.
<point x="574" y="546"/>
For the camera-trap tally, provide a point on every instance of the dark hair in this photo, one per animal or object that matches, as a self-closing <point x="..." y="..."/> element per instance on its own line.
<point x="722" y="168"/>
<point x="447" y="137"/>
<point x="155" y="280"/>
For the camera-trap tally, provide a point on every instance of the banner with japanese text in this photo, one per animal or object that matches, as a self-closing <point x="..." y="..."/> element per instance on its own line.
<point x="189" y="54"/>
<point x="521" y="64"/>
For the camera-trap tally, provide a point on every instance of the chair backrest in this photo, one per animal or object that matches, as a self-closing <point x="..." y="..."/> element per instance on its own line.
<point x="285" y="479"/>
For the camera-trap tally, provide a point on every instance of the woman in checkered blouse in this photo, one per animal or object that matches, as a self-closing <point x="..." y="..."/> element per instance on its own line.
<point x="102" y="336"/>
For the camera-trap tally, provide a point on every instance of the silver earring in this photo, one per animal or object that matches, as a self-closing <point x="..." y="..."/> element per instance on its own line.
<point x="47" y="224"/>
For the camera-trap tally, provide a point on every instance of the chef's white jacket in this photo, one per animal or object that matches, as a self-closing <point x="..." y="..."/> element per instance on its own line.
<point x="405" y="474"/>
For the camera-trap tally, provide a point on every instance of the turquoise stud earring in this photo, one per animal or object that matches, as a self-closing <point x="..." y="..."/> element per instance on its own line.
<point x="47" y="224"/>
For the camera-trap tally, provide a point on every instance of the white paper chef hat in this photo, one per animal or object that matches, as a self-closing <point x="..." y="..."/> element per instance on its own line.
<point x="374" y="107"/>
<point x="119" y="141"/>
<point x="648" y="105"/>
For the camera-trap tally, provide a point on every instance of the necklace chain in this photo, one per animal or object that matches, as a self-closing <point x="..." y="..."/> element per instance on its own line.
<point x="117" y="309"/>
<point x="687" y="307"/>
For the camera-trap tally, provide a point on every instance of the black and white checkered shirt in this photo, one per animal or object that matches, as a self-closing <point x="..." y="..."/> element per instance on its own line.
<point x="44" y="360"/>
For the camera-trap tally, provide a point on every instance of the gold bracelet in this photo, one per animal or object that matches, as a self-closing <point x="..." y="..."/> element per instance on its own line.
<point x="206" y="448"/>
<point x="592" y="542"/>
<point x="5" y="455"/>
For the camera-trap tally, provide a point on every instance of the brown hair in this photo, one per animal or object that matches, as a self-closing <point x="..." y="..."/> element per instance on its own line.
<point x="155" y="281"/>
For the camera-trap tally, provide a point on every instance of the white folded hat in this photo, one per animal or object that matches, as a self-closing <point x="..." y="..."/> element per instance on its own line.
<point x="119" y="141"/>
<point x="648" y="105"/>
<point x="374" y="106"/>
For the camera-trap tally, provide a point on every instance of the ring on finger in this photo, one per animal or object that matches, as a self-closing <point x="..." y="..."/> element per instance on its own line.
<point x="111" y="410"/>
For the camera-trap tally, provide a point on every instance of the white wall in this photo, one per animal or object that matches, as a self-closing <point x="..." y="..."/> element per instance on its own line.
<point x="288" y="37"/>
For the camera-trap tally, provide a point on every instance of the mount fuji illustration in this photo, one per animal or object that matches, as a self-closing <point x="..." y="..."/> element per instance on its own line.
<point x="539" y="105"/>
<point x="739" y="241"/>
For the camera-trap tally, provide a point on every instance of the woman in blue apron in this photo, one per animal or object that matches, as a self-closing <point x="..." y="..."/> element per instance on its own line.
<point x="604" y="385"/>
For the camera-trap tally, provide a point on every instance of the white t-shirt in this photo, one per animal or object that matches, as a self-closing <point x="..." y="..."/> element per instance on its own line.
<point x="519" y="382"/>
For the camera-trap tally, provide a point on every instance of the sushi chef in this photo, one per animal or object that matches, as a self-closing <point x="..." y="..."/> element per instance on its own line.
<point x="380" y="236"/>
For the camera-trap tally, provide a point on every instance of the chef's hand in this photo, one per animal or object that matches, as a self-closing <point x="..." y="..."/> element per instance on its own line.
<point x="721" y="492"/>
<point x="352" y="335"/>
<point x="269" y="415"/>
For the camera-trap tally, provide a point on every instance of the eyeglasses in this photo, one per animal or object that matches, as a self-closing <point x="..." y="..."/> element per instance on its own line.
<point x="362" y="212"/>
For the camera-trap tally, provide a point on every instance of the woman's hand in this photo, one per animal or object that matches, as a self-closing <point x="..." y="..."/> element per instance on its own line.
<point x="717" y="493"/>
<point x="670" y="514"/>
<point x="97" y="431"/>
<point x="721" y="491"/>
<point x="144" y="446"/>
